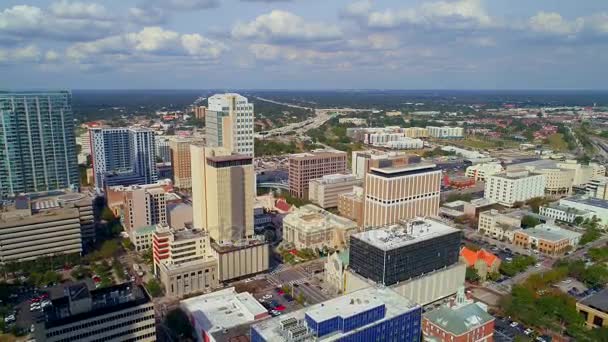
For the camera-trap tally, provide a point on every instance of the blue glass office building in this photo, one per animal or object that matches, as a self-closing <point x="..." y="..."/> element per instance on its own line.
<point x="372" y="314"/>
<point x="37" y="143"/>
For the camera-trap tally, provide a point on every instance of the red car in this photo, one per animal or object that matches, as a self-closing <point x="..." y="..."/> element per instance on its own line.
<point x="280" y="308"/>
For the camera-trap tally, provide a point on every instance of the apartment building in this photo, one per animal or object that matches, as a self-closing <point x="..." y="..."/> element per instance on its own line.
<point x="393" y="140"/>
<point x="124" y="155"/>
<point x="363" y="161"/>
<point x="37" y="143"/>
<point x="229" y="123"/>
<point x="481" y="171"/>
<point x="183" y="261"/>
<point x="500" y="226"/>
<point x="325" y="191"/>
<point x="305" y="167"/>
<point x="396" y="193"/>
<point x="200" y="112"/>
<point x="350" y="205"/>
<point x="547" y="239"/>
<point x="140" y="205"/>
<point x="181" y="161"/>
<point x="445" y="132"/>
<point x="117" y="313"/>
<point x="161" y="148"/>
<point x="312" y="227"/>
<point x="223" y="193"/>
<point x="511" y="187"/>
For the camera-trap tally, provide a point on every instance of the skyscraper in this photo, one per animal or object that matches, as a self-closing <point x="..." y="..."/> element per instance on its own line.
<point x="181" y="161"/>
<point x="222" y="193"/>
<point x="37" y="143"/>
<point x="229" y="123"/>
<point x="126" y="155"/>
<point x="304" y="167"/>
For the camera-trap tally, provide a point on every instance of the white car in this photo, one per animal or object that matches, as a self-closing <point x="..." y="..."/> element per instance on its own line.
<point x="268" y="296"/>
<point x="537" y="265"/>
<point x="514" y="324"/>
<point x="528" y="331"/>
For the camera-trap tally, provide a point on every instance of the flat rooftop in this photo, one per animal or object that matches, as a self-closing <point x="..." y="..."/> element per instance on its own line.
<point x="405" y="233"/>
<point x="335" y="178"/>
<point x="344" y="306"/>
<point x="223" y="309"/>
<point x="310" y="217"/>
<point x="403" y="170"/>
<point x="550" y="232"/>
<point x="318" y="154"/>
<point x="590" y="201"/>
<point x="514" y="175"/>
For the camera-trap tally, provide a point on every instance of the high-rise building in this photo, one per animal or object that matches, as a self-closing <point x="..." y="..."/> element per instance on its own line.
<point x="305" y="167"/>
<point x="181" y="161"/>
<point x="122" y="312"/>
<point x="403" y="192"/>
<point x="229" y="123"/>
<point x="511" y="187"/>
<point x="363" y="161"/>
<point x="222" y="193"/>
<point x="140" y="205"/>
<point x="445" y="132"/>
<point x="161" y="148"/>
<point x="371" y="314"/>
<point x="123" y="156"/>
<point x="200" y="112"/>
<point x="37" y="143"/>
<point x="392" y="254"/>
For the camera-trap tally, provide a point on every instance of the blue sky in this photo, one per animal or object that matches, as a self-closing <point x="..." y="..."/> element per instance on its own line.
<point x="304" y="44"/>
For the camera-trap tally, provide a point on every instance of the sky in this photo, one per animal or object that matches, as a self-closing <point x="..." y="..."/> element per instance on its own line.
<point x="304" y="44"/>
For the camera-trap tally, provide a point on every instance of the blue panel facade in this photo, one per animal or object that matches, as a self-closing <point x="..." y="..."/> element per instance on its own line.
<point x="256" y="337"/>
<point x="402" y="328"/>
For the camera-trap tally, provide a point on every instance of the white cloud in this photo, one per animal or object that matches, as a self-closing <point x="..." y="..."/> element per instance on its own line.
<point x="147" y="15"/>
<point x="51" y="56"/>
<point x="197" y="45"/>
<point x="151" y="39"/>
<point x="29" y="53"/>
<point x="188" y="4"/>
<point x="553" y="23"/>
<point x="78" y="10"/>
<point x="282" y="26"/>
<point x="358" y="8"/>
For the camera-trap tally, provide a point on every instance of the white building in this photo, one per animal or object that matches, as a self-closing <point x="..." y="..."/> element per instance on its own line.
<point x="445" y="132"/>
<point x="481" y="171"/>
<point x="354" y="121"/>
<point x="564" y="213"/>
<point x="500" y="225"/>
<point x="214" y="313"/>
<point x="405" y="144"/>
<point x="598" y="188"/>
<point x="229" y="123"/>
<point x="596" y="206"/>
<point x="511" y="187"/>
<point x="324" y="191"/>
<point x="393" y="140"/>
<point x="468" y="154"/>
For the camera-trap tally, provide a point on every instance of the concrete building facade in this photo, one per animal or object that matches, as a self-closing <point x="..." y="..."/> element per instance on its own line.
<point x="511" y="187"/>
<point x="305" y="167"/>
<point x="181" y="162"/>
<point x="229" y="123"/>
<point x="501" y="226"/>
<point x="547" y="239"/>
<point x="325" y="191"/>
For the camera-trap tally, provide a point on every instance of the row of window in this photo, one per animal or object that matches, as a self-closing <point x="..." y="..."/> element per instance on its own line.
<point x="99" y="321"/>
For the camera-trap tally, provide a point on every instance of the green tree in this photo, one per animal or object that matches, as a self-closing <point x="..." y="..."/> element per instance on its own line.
<point x="471" y="275"/>
<point x="107" y="215"/>
<point x="154" y="288"/>
<point x="529" y="221"/>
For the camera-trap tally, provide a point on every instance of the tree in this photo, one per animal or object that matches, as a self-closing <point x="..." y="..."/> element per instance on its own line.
<point x="107" y="215"/>
<point x="154" y="288"/>
<point x="471" y="275"/>
<point x="529" y="221"/>
<point x="578" y="220"/>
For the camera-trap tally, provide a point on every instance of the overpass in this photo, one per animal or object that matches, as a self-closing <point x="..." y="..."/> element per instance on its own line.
<point x="271" y="185"/>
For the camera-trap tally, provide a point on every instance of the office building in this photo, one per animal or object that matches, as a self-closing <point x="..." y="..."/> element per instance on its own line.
<point x="547" y="239"/>
<point x="480" y="171"/>
<point x="123" y="156"/>
<point x="229" y="123"/>
<point x="363" y="161"/>
<point x="371" y="314"/>
<point x="30" y="229"/>
<point x="395" y="253"/>
<point x="564" y="213"/>
<point x="445" y="132"/>
<point x="117" y="313"/>
<point x="481" y="260"/>
<point x="350" y="205"/>
<point x="325" y="191"/>
<point x="241" y="259"/>
<point x="598" y="187"/>
<point x="179" y="215"/>
<point x="312" y="227"/>
<point x="396" y="193"/>
<point x="597" y="207"/>
<point x="200" y="112"/>
<point x="500" y="226"/>
<point x="511" y="187"/>
<point x="140" y="205"/>
<point x="162" y="151"/>
<point x="222" y="193"/>
<point x="213" y="314"/>
<point x="183" y="261"/>
<point x="142" y="237"/>
<point x="460" y="321"/>
<point x="594" y="309"/>
<point x="181" y="161"/>
<point x="467" y="209"/>
<point x="37" y="143"/>
<point x="305" y="167"/>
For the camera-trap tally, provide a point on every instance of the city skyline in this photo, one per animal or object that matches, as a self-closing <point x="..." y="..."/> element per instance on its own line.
<point x="383" y="44"/>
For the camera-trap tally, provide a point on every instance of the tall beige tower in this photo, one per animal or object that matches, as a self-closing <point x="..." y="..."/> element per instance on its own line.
<point x="180" y="161"/>
<point x="222" y="193"/>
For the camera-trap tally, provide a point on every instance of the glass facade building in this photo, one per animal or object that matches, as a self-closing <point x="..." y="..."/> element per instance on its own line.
<point x="37" y="143"/>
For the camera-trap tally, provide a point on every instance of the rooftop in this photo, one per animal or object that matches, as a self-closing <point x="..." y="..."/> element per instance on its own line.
<point x="471" y="256"/>
<point x="344" y="306"/>
<point x="598" y="301"/>
<point x="514" y="175"/>
<point x="590" y="201"/>
<point x="460" y="319"/>
<point x="223" y="309"/>
<point x="550" y="232"/>
<point x="335" y="178"/>
<point x="310" y="217"/>
<point x="405" y="233"/>
<point x="567" y="209"/>
<point x="403" y="170"/>
<point x="318" y="154"/>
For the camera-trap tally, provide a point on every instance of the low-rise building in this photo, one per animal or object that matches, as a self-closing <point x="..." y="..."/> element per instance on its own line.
<point x="371" y="314"/>
<point x="117" y="313"/>
<point x="142" y="237"/>
<point x="482" y="261"/>
<point x="547" y="239"/>
<point x="324" y="191"/>
<point x="564" y="213"/>
<point x="499" y="225"/>
<point x="598" y="187"/>
<point x="350" y="205"/>
<point x="445" y="132"/>
<point x="461" y="321"/>
<point x="213" y="314"/>
<point x="511" y="187"/>
<point x="241" y="259"/>
<point x="594" y="309"/>
<point x="312" y="227"/>
<point x="598" y="207"/>
<point x="480" y="171"/>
